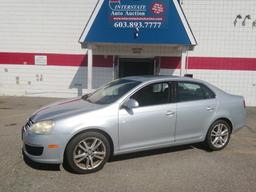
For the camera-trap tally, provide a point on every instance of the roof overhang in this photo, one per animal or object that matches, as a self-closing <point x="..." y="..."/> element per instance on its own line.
<point x="138" y="22"/>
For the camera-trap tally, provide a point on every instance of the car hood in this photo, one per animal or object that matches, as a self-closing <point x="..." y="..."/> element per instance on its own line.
<point x="64" y="108"/>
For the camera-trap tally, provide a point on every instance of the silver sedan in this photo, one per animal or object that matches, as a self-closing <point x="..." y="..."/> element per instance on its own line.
<point x="132" y="114"/>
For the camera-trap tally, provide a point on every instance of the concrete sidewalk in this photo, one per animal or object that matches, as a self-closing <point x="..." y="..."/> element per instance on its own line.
<point x="186" y="168"/>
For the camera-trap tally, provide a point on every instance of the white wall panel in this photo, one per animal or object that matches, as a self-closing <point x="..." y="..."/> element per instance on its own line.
<point x="175" y="72"/>
<point x="47" y="26"/>
<point x="49" y="81"/>
<point x="54" y="26"/>
<point x="212" y="24"/>
<point x="101" y="76"/>
<point x="54" y="81"/>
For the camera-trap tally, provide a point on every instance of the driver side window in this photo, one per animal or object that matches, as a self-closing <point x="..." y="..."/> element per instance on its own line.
<point x="154" y="94"/>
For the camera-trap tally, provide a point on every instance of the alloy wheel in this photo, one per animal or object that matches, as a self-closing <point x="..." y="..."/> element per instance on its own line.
<point x="219" y="135"/>
<point x="89" y="153"/>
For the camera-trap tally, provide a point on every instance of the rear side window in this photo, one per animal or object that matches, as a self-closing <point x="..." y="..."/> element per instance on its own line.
<point x="187" y="91"/>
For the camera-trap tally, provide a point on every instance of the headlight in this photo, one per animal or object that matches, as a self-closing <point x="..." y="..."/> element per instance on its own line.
<point x="42" y="127"/>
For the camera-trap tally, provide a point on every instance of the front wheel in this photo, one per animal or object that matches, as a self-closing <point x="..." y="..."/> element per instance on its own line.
<point x="87" y="152"/>
<point x="218" y="135"/>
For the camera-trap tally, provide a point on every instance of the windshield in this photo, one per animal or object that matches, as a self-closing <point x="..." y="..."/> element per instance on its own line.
<point x="111" y="92"/>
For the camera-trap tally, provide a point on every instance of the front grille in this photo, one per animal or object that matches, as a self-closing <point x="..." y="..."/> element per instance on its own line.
<point x="36" y="151"/>
<point x="28" y="124"/>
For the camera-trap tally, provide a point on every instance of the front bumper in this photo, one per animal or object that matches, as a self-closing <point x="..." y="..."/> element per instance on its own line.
<point x="35" y="147"/>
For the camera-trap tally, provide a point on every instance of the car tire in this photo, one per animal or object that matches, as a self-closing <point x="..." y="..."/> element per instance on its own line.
<point x="218" y="135"/>
<point x="87" y="152"/>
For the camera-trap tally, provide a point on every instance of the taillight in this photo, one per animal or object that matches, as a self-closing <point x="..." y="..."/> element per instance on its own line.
<point x="244" y="103"/>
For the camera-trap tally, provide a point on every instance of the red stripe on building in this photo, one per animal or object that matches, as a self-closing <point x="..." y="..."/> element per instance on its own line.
<point x="16" y="58"/>
<point x="222" y="63"/>
<point x="55" y="59"/>
<point x="102" y="61"/>
<point x="203" y="63"/>
<point x="170" y="62"/>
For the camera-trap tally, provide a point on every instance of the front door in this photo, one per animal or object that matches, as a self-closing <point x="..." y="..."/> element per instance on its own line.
<point x="152" y="123"/>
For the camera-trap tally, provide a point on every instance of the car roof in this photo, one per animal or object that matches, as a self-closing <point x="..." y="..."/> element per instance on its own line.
<point x="148" y="78"/>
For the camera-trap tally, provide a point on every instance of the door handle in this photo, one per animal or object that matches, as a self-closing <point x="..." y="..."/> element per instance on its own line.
<point x="169" y="113"/>
<point x="209" y="108"/>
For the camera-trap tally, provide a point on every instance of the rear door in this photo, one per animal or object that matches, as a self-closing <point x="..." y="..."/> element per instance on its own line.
<point x="196" y="106"/>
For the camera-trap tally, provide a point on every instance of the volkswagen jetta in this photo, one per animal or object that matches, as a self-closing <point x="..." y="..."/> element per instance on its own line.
<point x="132" y="114"/>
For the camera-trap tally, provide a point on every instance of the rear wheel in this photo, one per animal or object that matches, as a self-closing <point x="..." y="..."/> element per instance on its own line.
<point x="87" y="152"/>
<point x="218" y="135"/>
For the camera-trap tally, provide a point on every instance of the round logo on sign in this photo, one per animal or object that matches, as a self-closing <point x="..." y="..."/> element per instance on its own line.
<point x="157" y="8"/>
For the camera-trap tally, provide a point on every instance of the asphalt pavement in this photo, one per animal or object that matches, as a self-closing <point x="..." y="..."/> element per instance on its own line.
<point x="185" y="168"/>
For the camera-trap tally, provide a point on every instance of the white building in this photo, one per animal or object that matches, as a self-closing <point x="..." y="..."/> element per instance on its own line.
<point x="64" y="48"/>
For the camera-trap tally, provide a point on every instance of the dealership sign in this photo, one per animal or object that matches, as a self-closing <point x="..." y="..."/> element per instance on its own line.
<point x="138" y="14"/>
<point x="138" y="22"/>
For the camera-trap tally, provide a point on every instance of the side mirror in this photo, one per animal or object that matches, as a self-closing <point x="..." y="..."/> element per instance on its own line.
<point x="131" y="103"/>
